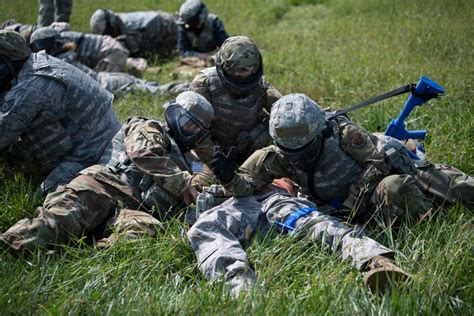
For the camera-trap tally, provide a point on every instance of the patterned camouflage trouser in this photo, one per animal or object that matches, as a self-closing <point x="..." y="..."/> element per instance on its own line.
<point x="404" y="196"/>
<point x="84" y="207"/>
<point x="112" y="56"/>
<point x="118" y="82"/>
<point x="54" y="11"/>
<point x="219" y="233"/>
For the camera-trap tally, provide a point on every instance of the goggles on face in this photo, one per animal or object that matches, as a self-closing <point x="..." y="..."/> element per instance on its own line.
<point x="189" y="127"/>
<point x="305" y="156"/>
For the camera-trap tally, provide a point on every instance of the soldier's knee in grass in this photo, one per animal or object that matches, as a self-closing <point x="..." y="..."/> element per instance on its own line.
<point x="136" y="224"/>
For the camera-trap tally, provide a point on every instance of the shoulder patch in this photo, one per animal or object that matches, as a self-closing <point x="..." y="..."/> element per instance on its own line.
<point x="358" y="140"/>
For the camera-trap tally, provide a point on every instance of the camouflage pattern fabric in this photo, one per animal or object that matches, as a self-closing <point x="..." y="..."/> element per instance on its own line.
<point x="54" y="11"/>
<point x="219" y="234"/>
<point x="141" y="160"/>
<point x="235" y="118"/>
<point x="63" y="118"/>
<point x="149" y="32"/>
<point x="357" y="176"/>
<point x="240" y="57"/>
<point x="112" y="56"/>
<point x="205" y="41"/>
<point x="296" y="121"/>
<point x="71" y="58"/>
<point x="119" y="82"/>
<point x="101" y="53"/>
<point x="84" y="207"/>
<point x="13" y="46"/>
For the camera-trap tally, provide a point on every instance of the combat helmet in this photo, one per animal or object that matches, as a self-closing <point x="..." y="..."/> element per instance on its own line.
<point x="239" y="64"/>
<point x="13" y="46"/>
<point x="192" y="14"/>
<point x="189" y="119"/>
<point x="13" y="51"/>
<point x="106" y="22"/>
<point x="297" y="126"/>
<point x="46" y="38"/>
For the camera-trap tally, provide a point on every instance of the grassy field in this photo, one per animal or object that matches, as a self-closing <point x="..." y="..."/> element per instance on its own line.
<point x="339" y="52"/>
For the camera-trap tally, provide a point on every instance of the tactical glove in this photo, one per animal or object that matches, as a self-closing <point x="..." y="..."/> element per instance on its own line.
<point x="224" y="165"/>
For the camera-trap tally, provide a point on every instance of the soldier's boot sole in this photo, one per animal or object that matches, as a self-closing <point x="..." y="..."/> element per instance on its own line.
<point x="381" y="279"/>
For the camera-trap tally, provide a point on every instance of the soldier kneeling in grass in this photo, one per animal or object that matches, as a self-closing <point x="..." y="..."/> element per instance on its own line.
<point x="143" y="170"/>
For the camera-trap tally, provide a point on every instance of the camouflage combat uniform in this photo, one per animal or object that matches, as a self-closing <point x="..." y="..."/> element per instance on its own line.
<point x="240" y="120"/>
<point x="143" y="33"/>
<point x="355" y="170"/>
<point x="143" y="171"/>
<point x="58" y="117"/>
<point x="54" y="11"/>
<point x="119" y="82"/>
<point x="219" y="233"/>
<point x="101" y="53"/>
<point x="206" y="40"/>
<point x="199" y="31"/>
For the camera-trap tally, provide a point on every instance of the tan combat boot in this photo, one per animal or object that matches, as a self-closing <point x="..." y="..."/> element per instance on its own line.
<point x="381" y="273"/>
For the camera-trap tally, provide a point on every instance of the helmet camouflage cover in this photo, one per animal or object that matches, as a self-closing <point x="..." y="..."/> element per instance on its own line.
<point x="13" y="46"/>
<point x="296" y="120"/>
<point x="240" y="58"/>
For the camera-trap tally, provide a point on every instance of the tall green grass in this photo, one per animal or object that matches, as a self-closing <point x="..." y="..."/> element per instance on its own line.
<point x="338" y="52"/>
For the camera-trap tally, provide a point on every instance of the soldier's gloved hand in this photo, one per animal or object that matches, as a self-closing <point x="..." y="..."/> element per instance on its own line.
<point x="224" y="165"/>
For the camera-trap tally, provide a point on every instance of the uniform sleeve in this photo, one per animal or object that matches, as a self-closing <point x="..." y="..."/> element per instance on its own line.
<point x="200" y="84"/>
<point x="184" y="45"/>
<point x="259" y="170"/>
<point x="219" y="31"/>
<point x="20" y="106"/>
<point x="272" y="95"/>
<point x="204" y="150"/>
<point x="148" y="148"/>
<point x="369" y="153"/>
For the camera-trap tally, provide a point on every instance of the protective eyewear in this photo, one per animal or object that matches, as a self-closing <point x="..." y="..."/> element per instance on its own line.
<point x="189" y="127"/>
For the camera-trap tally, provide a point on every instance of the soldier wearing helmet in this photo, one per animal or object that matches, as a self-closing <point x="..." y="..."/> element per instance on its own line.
<point x="52" y="114"/>
<point x="143" y="33"/>
<point x="143" y="171"/>
<point x="200" y="32"/>
<point x="50" y="40"/>
<point x="337" y="163"/>
<point x="241" y="99"/>
<point x="24" y="29"/>
<point x="101" y="53"/>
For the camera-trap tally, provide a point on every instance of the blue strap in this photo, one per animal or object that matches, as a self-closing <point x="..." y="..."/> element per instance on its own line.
<point x="289" y="224"/>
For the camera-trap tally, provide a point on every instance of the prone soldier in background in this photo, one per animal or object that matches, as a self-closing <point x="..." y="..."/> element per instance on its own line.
<point x="50" y="40"/>
<point x="200" y="32"/>
<point x="52" y="113"/>
<point x="101" y="53"/>
<point x="143" y="33"/>
<point x="142" y="173"/>
<point x="338" y="164"/>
